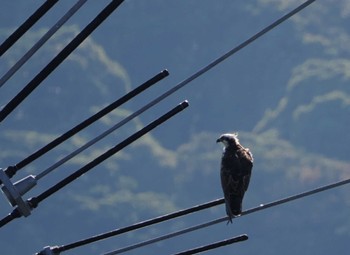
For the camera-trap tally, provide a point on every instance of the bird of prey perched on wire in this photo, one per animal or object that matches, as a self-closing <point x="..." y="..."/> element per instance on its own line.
<point x="236" y="168"/>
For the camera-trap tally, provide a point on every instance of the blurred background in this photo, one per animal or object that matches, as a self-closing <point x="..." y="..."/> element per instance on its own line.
<point x="287" y="95"/>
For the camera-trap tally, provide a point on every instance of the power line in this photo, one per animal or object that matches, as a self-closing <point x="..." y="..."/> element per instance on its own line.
<point x="22" y="29"/>
<point x="41" y="42"/>
<point x="49" y="68"/>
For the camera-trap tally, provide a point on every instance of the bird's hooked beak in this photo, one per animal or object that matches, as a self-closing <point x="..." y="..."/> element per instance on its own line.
<point x="218" y="140"/>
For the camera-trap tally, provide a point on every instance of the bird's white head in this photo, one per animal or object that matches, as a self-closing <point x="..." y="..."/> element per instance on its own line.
<point x="228" y="139"/>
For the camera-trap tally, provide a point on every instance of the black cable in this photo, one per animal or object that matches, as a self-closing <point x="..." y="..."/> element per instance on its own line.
<point x="214" y="245"/>
<point x="46" y="71"/>
<point x="140" y="225"/>
<point x="21" y="30"/>
<point x="11" y="170"/>
<point x="34" y="201"/>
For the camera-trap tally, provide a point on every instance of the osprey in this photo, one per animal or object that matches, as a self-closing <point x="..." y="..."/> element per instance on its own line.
<point x="236" y="168"/>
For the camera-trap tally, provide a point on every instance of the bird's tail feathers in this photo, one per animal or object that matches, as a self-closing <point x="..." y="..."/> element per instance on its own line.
<point x="234" y="207"/>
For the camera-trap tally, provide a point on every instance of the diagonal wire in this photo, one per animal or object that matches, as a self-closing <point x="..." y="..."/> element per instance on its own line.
<point x="41" y="42"/>
<point x="22" y="29"/>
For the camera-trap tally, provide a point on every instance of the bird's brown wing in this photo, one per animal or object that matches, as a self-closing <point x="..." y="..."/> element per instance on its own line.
<point x="232" y="185"/>
<point x="246" y="165"/>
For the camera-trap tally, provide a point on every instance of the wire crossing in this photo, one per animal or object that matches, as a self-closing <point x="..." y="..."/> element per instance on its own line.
<point x="46" y="71"/>
<point x="21" y="30"/>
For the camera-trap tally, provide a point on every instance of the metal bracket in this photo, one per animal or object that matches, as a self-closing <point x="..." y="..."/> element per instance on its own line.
<point x="13" y="194"/>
